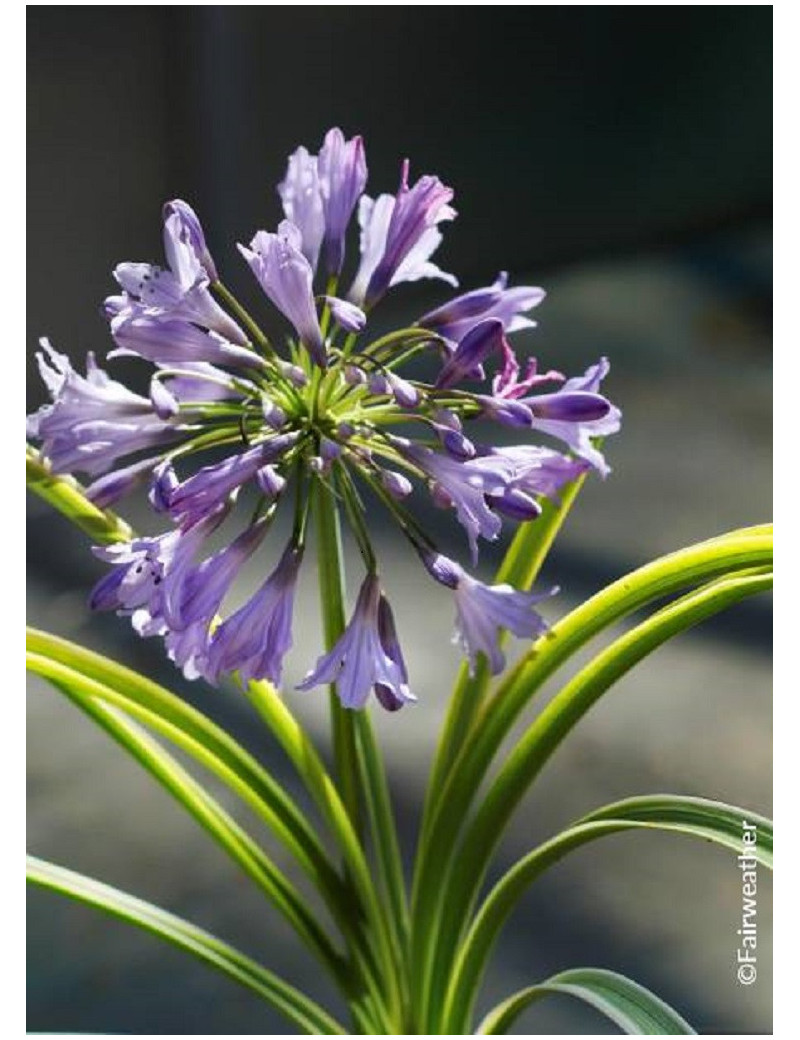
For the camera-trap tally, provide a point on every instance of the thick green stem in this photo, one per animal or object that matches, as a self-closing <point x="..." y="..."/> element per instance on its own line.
<point x="359" y="766"/>
<point x="330" y="566"/>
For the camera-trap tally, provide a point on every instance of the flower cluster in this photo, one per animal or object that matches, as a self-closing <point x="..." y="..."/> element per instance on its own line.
<point x="330" y="414"/>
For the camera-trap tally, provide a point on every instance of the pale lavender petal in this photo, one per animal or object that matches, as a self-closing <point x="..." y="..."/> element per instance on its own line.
<point x="170" y="341"/>
<point x="415" y="213"/>
<point x="396" y="484"/>
<point x="286" y="277"/>
<point x="191" y="233"/>
<point x="465" y="485"/>
<point x="578" y="433"/>
<point x="164" y="403"/>
<point x="255" y="639"/>
<point x="541" y="471"/>
<point x="112" y="487"/>
<point x="373" y="219"/>
<point x="366" y="657"/>
<point x="347" y="315"/>
<point x="210" y="486"/>
<point x="342" y="177"/>
<point x="93" y="420"/>
<point x="302" y="202"/>
<point x="483" y="610"/>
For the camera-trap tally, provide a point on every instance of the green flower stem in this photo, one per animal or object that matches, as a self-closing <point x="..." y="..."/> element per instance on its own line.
<point x="387" y="850"/>
<point x="305" y="758"/>
<point x="520" y="568"/>
<point x="226" y="297"/>
<point x="540" y="740"/>
<point x="330" y="565"/>
<point x="88" y="696"/>
<point x="67" y="496"/>
<point x="359" y="766"/>
<point x="695" y="817"/>
<point x="298" y="1008"/>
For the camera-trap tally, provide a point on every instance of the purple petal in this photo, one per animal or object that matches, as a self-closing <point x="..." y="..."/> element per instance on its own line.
<point x="342" y="177"/>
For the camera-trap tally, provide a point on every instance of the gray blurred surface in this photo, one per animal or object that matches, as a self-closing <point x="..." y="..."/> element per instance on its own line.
<point x="621" y="161"/>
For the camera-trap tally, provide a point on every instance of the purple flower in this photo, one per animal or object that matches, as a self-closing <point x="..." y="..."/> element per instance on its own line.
<point x="207" y="489"/>
<point x="114" y="486"/>
<point x="182" y="291"/>
<point x="285" y="275"/>
<point x="466" y="361"/>
<point x="164" y="482"/>
<point x="347" y="315"/>
<point x="254" y="640"/>
<point x="342" y="176"/>
<point x="201" y="589"/>
<point x="185" y="228"/>
<point x="483" y="610"/>
<point x="93" y="420"/>
<point x="201" y="382"/>
<point x="138" y="584"/>
<point x="398" y="485"/>
<point x="541" y="471"/>
<point x="465" y="486"/>
<point x="302" y="202"/>
<point x="165" y="403"/>
<point x="393" y="385"/>
<point x="399" y="235"/>
<point x="366" y="657"/>
<point x="454" y="319"/>
<point x="576" y="413"/>
<point x="171" y="341"/>
<point x="515" y="504"/>
<point x="449" y="431"/>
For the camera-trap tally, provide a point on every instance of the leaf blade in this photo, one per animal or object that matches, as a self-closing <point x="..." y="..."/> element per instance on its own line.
<point x="629" y="1005"/>
<point x="298" y="1008"/>
<point x="699" y="818"/>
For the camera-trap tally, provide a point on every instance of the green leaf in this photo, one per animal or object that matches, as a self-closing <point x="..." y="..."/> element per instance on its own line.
<point x="207" y="743"/>
<point x="520" y="567"/>
<point x="454" y="870"/>
<point x="88" y="695"/>
<point x="630" y="1006"/>
<point x="67" y="496"/>
<point x="699" y="817"/>
<point x="696" y="817"/>
<point x="299" y="1009"/>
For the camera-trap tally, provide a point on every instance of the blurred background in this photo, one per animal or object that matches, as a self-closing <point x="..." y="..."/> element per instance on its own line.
<point x="617" y="156"/>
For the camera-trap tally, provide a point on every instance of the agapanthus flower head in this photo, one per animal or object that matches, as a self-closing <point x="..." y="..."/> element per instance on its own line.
<point x="236" y="428"/>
